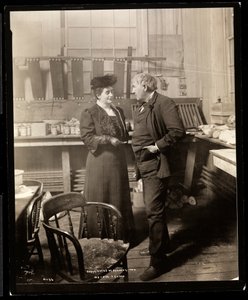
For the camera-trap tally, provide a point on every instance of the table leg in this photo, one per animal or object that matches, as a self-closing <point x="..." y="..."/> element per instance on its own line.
<point x="66" y="170"/>
<point x="190" y="165"/>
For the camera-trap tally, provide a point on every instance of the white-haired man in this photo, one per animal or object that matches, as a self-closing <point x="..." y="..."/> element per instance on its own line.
<point x="157" y="126"/>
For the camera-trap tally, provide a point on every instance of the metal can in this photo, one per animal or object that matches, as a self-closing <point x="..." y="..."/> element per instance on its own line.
<point x="58" y="126"/>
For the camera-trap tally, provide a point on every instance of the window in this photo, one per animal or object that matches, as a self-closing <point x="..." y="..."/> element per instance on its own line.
<point x="98" y="34"/>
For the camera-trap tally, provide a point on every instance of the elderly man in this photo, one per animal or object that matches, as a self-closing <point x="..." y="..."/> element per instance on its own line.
<point x="157" y="126"/>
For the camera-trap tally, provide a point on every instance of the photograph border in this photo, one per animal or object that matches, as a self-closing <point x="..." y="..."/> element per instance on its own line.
<point x="8" y="193"/>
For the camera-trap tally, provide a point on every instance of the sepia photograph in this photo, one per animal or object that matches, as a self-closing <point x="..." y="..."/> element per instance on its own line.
<point x="125" y="170"/>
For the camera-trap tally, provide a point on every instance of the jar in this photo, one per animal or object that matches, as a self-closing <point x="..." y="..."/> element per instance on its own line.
<point x="66" y="129"/>
<point x="73" y="130"/>
<point x="77" y="130"/>
<point x="23" y="130"/>
<point x="54" y="129"/>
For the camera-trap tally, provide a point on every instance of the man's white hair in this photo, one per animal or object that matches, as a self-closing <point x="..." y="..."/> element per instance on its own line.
<point x="146" y="79"/>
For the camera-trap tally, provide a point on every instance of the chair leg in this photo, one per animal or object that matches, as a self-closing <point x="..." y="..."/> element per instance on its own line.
<point x="39" y="249"/>
<point x="125" y="269"/>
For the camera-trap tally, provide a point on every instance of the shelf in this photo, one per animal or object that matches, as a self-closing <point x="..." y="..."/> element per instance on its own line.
<point x="49" y="140"/>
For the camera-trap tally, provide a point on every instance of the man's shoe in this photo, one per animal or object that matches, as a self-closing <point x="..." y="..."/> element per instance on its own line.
<point x="151" y="273"/>
<point x="155" y="270"/>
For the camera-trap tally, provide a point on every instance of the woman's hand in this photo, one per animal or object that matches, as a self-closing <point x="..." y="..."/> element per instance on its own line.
<point x="115" y="142"/>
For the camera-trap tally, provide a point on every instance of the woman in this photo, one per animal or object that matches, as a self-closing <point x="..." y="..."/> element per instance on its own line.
<point x="103" y="131"/>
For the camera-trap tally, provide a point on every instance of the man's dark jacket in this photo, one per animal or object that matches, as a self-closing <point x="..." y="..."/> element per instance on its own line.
<point x="165" y="126"/>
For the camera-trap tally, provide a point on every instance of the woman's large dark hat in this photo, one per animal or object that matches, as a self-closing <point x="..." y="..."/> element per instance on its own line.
<point x="103" y="81"/>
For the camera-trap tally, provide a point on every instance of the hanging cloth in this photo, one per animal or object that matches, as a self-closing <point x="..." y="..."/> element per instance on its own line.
<point x="77" y="78"/>
<point x="18" y="83"/>
<point x="57" y="76"/>
<point x="97" y="67"/>
<point x="119" y="71"/>
<point x="35" y="75"/>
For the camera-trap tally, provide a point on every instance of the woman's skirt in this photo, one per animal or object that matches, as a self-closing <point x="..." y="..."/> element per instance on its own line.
<point x="107" y="181"/>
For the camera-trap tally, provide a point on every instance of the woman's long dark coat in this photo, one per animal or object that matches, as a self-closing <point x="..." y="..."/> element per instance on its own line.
<point x="106" y="166"/>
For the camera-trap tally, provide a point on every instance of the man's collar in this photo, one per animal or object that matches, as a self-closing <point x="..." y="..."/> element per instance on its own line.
<point x="150" y="96"/>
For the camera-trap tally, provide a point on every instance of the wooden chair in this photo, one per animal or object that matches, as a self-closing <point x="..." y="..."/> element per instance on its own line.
<point x="84" y="248"/>
<point x="34" y="183"/>
<point x="33" y="228"/>
<point x="190" y="110"/>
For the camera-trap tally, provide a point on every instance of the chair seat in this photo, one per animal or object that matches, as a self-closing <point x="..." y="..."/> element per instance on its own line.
<point x="100" y="254"/>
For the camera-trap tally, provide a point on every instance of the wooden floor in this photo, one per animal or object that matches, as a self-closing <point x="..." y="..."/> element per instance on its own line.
<point x="207" y="243"/>
<point x="205" y="235"/>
